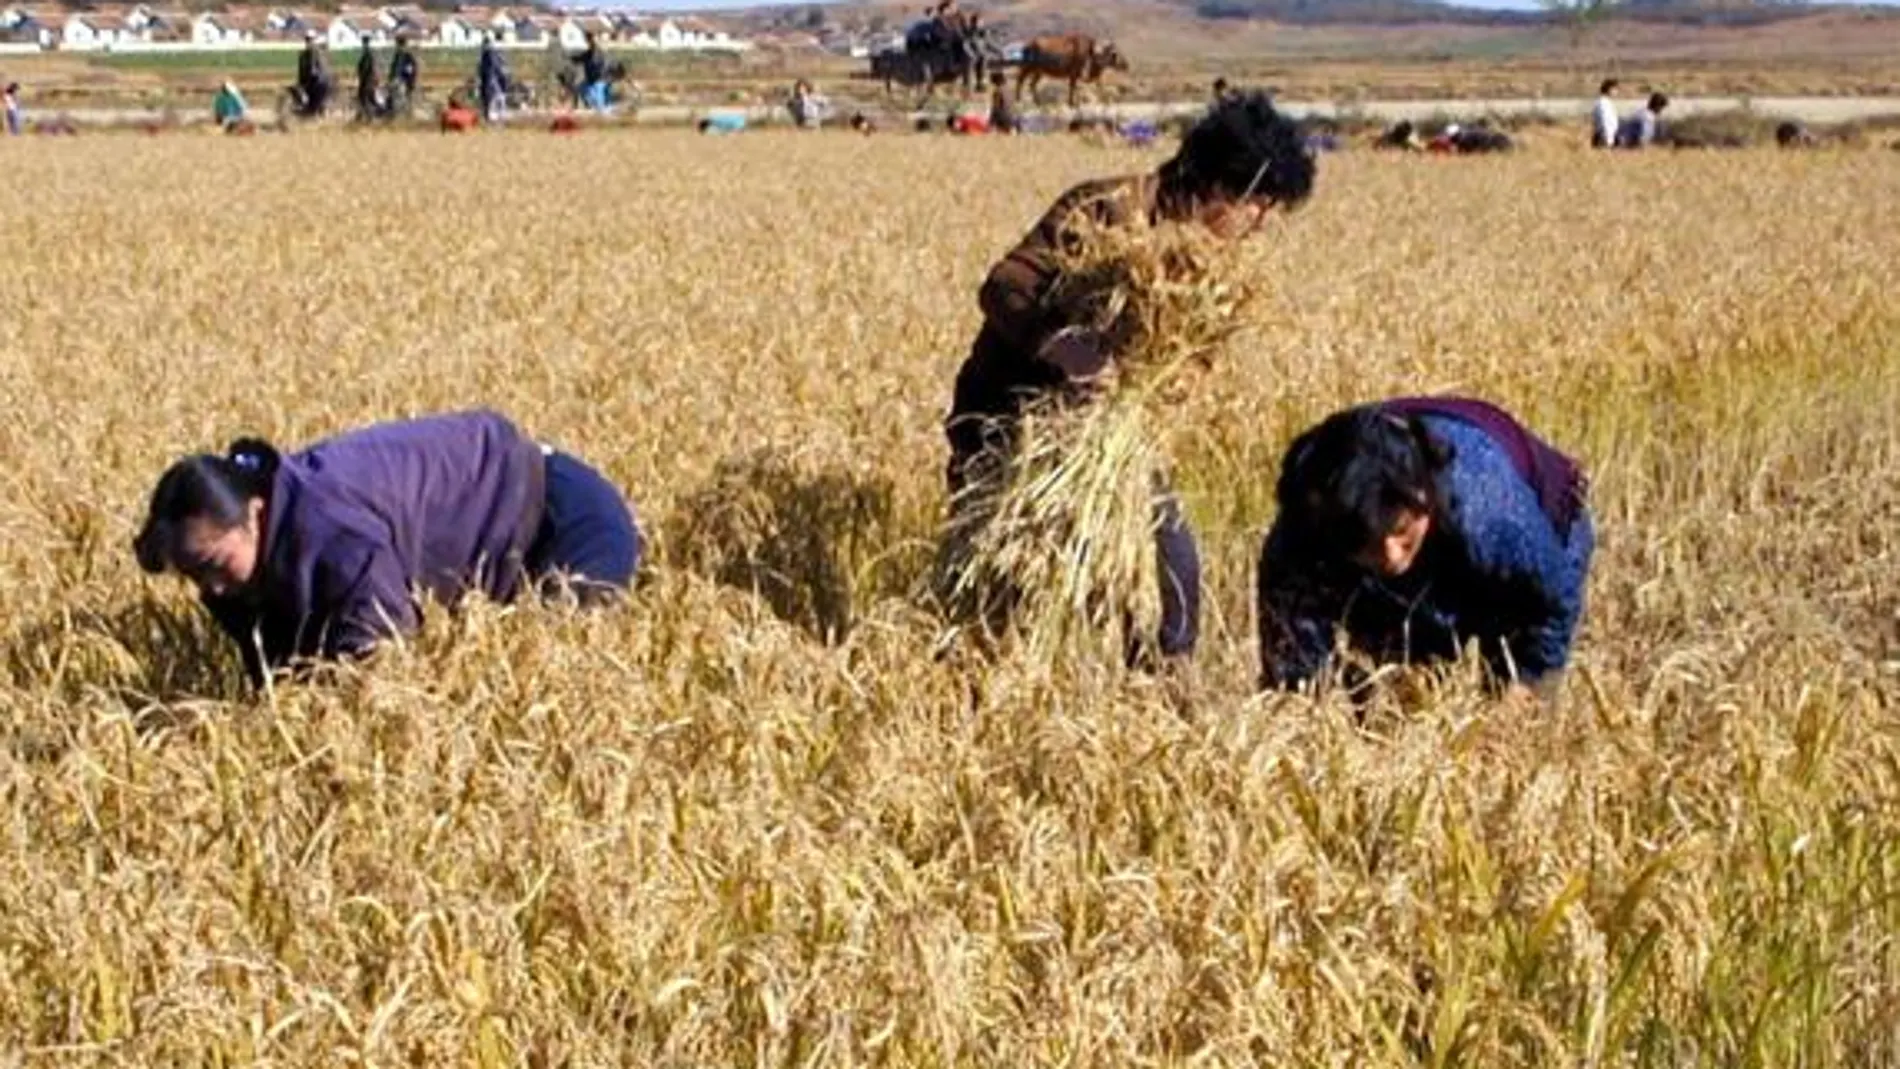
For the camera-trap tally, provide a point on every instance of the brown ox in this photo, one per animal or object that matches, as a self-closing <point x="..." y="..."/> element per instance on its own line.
<point x="1074" y="57"/>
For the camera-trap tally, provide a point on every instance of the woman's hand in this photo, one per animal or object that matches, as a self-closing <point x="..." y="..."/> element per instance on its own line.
<point x="1080" y="354"/>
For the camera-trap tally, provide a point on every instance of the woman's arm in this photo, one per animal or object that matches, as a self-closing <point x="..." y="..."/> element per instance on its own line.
<point x="243" y="626"/>
<point x="365" y="598"/>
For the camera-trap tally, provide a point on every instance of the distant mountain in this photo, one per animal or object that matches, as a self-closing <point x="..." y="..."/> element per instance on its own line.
<point x="858" y="13"/>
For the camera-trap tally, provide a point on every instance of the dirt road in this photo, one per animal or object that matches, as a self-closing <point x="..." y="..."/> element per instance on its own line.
<point x="1820" y="110"/>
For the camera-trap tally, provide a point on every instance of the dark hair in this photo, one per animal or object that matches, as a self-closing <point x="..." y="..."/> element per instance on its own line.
<point x="1345" y="483"/>
<point x="1657" y="101"/>
<point x="1608" y="84"/>
<point x="204" y="487"/>
<point x="1242" y="147"/>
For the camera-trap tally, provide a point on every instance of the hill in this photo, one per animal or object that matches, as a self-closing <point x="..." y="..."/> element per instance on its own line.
<point x="1640" y="31"/>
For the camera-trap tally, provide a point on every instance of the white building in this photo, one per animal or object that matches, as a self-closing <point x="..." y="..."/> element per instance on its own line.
<point x="457" y="32"/>
<point x="288" y="25"/>
<point x="90" y="33"/>
<point x="209" y="30"/>
<point x="350" y="34"/>
<point x="21" y="31"/>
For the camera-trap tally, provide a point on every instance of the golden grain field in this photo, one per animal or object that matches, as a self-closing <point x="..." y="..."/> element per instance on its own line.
<point x="763" y="816"/>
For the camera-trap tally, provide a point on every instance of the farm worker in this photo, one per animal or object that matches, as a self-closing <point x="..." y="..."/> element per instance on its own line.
<point x="1240" y="161"/>
<point x="491" y="80"/>
<point x="807" y="107"/>
<point x="593" y="64"/>
<point x="404" y="74"/>
<point x="1641" y="129"/>
<point x="228" y="107"/>
<point x="367" y="104"/>
<point x="317" y="554"/>
<point x="969" y="124"/>
<point x="930" y="32"/>
<point x="313" y="74"/>
<point x="722" y="122"/>
<point x="1603" y="127"/>
<point x="1402" y="136"/>
<point x="12" y="103"/>
<point x="1003" y="118"/>
<point x="1794" y="135"/>
<point x="1417" y="524"/>
<point x="456" y="118"/>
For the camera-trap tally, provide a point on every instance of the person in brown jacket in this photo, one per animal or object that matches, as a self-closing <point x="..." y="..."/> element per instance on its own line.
<point x="1236" y="164"/>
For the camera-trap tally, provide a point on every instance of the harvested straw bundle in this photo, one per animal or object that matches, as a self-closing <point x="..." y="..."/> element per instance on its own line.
<point x="1061" y="538"/>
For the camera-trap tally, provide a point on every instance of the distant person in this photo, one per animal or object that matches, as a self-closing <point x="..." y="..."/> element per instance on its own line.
<point x="1221" y="90"/>
<point x="313" y="75"/>
<point x="368" y="100"/>
<point x="1604" y="125"/>
<point x="1446" y="142"/>
<point x="862" y="124"/>
<point x="1642" y="129"/>
<point x="1416" y="525"/>
<point x="725" y="122"/>
<point x="1322" y="136"/>
<point x="593" y="65"/>
<point x="228" y="108"/>
<point x="1794" y="135"/>
<point x="491" y="81"/>
<point x="1402" y="136"/>
<point x="1479" y="138"/>
<point x="1003" y="117"/>
<point x="318" y="554"/>
<point x="809" y="110"/>
<point x="11" y="101"/>
<point x="457" y="118"/>
<point x="405" y="74"/>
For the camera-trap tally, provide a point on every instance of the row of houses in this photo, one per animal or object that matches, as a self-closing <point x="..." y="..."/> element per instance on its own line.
<point x="143" y="28"/>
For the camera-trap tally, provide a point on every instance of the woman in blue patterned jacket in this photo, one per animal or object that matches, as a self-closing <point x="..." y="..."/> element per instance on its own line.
<point x="1418" y="525"/>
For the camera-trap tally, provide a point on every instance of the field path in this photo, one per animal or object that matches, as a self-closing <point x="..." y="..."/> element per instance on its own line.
<point x="1813" y="109"/>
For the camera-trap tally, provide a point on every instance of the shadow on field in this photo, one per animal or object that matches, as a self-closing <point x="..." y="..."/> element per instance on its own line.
<point x="815" y="542"/>
<point x="146" y="655"/>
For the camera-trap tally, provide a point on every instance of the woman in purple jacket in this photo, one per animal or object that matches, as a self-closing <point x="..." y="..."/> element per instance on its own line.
<point x="321" y="553"/>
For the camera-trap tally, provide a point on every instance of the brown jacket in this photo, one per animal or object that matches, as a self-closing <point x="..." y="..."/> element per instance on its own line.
<point x="1005" y="369"/>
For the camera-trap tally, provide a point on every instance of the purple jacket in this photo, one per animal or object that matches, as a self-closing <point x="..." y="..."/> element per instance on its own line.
<point x="357" y="524"/>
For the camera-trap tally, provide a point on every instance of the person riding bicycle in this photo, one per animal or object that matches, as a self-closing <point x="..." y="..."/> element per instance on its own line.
<point x="313" y="75"/>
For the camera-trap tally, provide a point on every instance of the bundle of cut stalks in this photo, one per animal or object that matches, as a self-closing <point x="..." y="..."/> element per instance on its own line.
<point x="1064" y="538"/>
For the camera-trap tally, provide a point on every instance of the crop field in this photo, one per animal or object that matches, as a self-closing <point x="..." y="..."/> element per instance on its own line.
<point x="772" y="812"/>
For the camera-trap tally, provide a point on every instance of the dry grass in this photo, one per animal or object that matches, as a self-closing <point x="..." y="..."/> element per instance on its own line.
<point x="720" y="829"/>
